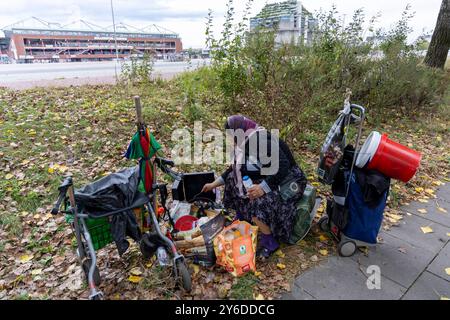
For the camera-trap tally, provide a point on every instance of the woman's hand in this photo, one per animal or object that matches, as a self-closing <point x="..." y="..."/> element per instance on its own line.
<point x="255" y="192"/>
<point x="208" y="187"/>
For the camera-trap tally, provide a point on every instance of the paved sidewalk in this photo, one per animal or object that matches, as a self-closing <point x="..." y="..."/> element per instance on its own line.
<point x="412" y="263"/>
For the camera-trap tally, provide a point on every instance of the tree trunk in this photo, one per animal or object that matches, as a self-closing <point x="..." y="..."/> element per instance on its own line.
<point x="440" y="42"/>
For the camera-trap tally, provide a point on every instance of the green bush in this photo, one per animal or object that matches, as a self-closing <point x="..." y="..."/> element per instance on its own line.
<point x="293" y="86"/>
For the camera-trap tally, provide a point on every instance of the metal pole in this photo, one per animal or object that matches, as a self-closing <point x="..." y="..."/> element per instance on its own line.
<point x="115" y="39"/>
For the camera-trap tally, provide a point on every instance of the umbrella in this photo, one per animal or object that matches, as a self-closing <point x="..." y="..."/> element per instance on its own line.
<point x="143" y="146"/>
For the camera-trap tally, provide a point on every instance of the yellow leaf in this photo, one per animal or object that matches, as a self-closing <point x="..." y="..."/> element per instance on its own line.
<point x="280" y="253"/>
<point x="323" y="252"/>
<point x="423" y="200"/>
<point x="26" y="258"/>
<point x="447" y="271"/>
<point x="9" y="176"/>
<point x="423" y="211"/>
<point x="395" y="217"/>
<point x="419" y="189"/>
<point x="258" y="273"/>
<point x="321" y="209"/>
<point x="259" y="297"/>
<point x="429" y="191"/>
<point x="427" y="230"/>
<point x="136" y="271"/>
<point x="437" y="183"/>
<point x="88" y="129"/>
<point x="315" y="184"/>
<point x="448" y="234"/>
<point x="51" y="170"/>
<point x="442" y="210"/>
<point x="281" y="266"/>
<point x="323" y="238"/>
<point x="196" y="269"/>
<point x="444" y="298"/>
<point x="134" y="279"/>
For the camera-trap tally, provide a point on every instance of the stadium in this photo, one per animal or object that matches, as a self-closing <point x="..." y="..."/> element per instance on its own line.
<point x="53" y="42"/>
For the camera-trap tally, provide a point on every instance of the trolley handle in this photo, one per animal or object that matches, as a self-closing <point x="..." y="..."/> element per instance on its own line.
<point x="68" y="182"/>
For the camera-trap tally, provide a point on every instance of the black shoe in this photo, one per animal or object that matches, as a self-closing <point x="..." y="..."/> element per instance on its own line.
<point x="264" y="253"/>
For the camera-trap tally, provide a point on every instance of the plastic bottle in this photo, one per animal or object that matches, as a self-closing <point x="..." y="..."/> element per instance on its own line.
<point x="248" y="183"/>
<point x="163" y="258"/>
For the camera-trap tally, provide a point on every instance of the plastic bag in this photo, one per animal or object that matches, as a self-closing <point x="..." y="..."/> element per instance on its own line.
<point x="304" y="215"/>
<point x="235" y="248"/>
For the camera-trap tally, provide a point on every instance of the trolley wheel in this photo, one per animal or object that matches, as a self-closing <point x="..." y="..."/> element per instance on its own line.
<point x="86" y="265"/>
<point x="184" y="277"/>
<point x="347" y="248"/>
<point x="324" y="224"/>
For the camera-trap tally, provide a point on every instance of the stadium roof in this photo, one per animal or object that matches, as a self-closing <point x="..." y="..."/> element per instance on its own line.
<point x="81" y="25"/>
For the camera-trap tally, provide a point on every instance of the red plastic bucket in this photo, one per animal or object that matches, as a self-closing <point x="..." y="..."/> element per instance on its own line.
<point x="395" y="160"/>
<point x="185" y="223"/>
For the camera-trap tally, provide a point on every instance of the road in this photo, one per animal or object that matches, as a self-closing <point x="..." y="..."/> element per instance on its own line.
<point x="23" y="76"/>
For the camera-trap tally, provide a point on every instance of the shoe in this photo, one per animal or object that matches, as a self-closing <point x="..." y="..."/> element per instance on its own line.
<point x="268" y="245"/>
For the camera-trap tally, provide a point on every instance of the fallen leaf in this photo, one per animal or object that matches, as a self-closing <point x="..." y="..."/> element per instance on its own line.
<point x="447" y="271"/>
<point x="423" y="211"/>
<point x="136" y="271"/>
<point x="402" y="250"/>
<point x="51" y="170"/>
<point x="36" y="272"/>
<point x="426" y="230"/>
<point x="281" y="266"/>
<point x="419" y="189"/>
<point x="196" y="268"/>
<point x="442" y="210"/>
<point x="448" y="234"/>
<point x="25" y="258"/>
<point x="423" y="200"/>
<point x="9" y="176"/>
<point x="444" y="298"/>
<point x="259" y="297"/>
<point x="429" y="191"/>
<point x="258" y="273"/>
<point x="323" y="238"/>
<point x="314" y="258"/>
<point x="323" y="252"/>
<point x="134" y="279"/>
<point x="280" y="253"/>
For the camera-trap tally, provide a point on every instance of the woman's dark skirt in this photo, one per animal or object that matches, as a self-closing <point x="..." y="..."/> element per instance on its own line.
<point x="271" y="209"/>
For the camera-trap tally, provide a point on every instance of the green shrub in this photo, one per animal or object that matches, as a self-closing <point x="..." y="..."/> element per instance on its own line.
<point x="300" y="86"/>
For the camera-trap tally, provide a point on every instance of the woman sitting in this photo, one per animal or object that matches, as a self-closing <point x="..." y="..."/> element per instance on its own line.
<point x="271" y="202"/>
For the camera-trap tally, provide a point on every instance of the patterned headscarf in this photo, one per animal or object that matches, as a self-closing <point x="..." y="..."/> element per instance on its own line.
<point x="239" y="122"/>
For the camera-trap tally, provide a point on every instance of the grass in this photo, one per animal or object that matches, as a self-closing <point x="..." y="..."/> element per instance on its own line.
<point x="47" y="134"/>
<point x="243" y="288"/>
<point x="11" y="223"/>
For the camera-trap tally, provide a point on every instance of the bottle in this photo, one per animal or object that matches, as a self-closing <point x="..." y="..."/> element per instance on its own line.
<point x="248" y="183"/>
<point x="163" y="258"/>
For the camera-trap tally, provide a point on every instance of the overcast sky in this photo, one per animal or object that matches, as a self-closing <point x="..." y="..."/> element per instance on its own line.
<point x="187" y="17"/>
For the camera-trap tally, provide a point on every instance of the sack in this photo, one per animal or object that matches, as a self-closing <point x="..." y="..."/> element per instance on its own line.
<point x="235" y="248"/>
<point x="304" y="215"/>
